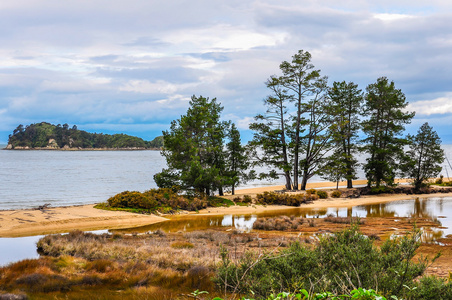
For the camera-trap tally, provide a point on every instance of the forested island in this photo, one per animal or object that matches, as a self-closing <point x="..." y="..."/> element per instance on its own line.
<point x="46" y="136"/>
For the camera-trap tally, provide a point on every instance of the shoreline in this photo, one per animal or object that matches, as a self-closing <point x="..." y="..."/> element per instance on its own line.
<point x="83" y="149"/>
<point x="29" y="222"/>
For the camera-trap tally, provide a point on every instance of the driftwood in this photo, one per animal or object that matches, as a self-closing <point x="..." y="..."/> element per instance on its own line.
<point x="41" y="207"/>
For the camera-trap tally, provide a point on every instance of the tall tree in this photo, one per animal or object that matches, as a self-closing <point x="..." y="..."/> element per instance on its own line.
<point x="236" y="160"/>
<point x="384" y="108"/>
<point x="315" y="139"/>
<point x="424" y="158"/>
<point x="345" y="108"/>
<point x="270" y="143"/>
<point x="193" y="148"/>
<point x="300" y="79"/>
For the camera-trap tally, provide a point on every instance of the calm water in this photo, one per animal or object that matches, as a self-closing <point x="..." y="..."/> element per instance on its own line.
<point x="440" y="209"/>
<point x="435" y="209"/>
<point x="32" y="178"/>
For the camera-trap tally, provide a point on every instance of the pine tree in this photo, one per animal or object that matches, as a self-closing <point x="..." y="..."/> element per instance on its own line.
<point x="236" y="160"/>
<point x="384" y="108"/>
<point x="193" y="148"/>
<point x="302" y="81"/>
<point x="345" y="107"/>
<point x="270" y="143"/>
<point x="424" y="158"/>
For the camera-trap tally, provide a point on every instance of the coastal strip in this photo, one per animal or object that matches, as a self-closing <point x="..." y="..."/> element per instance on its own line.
<point x="28" y="222"/>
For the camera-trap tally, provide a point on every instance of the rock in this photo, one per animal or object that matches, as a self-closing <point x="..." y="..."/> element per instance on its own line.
<point x="52" y="144"/>
<point x="9" y="147"/>
<point x="13" y="297"/>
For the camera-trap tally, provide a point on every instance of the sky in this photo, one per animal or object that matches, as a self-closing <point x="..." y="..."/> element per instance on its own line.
<point x="132" y="66"/>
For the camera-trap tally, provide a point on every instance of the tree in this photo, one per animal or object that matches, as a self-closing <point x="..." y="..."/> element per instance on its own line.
<point x="424" y="158"/>
<point x="345" y="107"/>
<point x="315" y="143"/>
<point x="300" y="78"/>
<point x="236" y="159"/>
<point x="270" y="143"/>
<point x="384" y="108"/>
<point x="335" y="168"/>
<point x="194" y="149"/>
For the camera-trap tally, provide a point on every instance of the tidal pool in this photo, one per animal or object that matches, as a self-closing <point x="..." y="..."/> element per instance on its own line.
<point x="435" y="209"/>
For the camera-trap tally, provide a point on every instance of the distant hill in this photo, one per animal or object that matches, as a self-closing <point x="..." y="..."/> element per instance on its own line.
<point x="48" y="136"/>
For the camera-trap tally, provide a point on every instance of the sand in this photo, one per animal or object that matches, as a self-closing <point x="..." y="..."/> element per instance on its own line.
<point x="28" y="222"/>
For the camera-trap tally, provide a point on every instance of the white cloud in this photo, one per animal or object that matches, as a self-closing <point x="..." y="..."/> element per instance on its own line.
<point x="440" y="106"/>
<point x="105" y="62"/>
<point x="158" y="87"/>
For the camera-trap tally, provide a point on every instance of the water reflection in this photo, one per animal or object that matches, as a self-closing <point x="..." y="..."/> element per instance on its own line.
<point x="425" y="208"/>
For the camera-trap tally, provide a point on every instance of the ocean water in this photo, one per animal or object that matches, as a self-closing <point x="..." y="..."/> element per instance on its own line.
<point x="32" y="178"/>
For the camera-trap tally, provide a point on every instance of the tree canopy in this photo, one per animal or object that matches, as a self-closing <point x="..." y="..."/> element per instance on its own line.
<point x="424" y="158"/>
<point x="386" y="118"/>
<point x="194" y="149"/>
<point x="46" y="135"/>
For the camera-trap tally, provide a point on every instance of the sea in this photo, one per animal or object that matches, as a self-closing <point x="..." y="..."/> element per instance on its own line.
<point x="30" y="178"/>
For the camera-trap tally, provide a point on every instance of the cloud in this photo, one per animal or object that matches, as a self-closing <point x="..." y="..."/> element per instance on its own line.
<point x="438" y="106"/>
<point x="111" y="64"/>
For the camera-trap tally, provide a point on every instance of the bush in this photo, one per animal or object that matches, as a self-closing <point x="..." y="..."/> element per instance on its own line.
<point x="336" y="194"/>
<point x="272" y="198"/>
<point x="278" y="223"/>
<point x="440" y="180"/>
<point x="164" y="199"/>
<point x="322" y="194"/>
<point x="247" y="199"/>
<point x="340" y="263"/>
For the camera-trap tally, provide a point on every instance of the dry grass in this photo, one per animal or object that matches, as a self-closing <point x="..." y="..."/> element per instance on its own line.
<point x="278" y="223"/>
<point x="343" y="220"/>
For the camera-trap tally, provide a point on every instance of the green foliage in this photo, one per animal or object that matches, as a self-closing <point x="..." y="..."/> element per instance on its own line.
<point x="345" y="108"/>
<point x="156" y="142"/>
<point x="385" y="109"/>
<point x="322" y="194"/>
<point x="247" y="199"/>
<point x="357" y="294"/>
<point x="284" y="133"/>
<point x="342" y="263"/>
<point x="272" y="198"/>
<point x="163" y="199"/>
<point x="195" y="153"/>
<point x="39" y="135"/>
<point x="270" y="143"/>
<point x="424" y="158"/>
<point x="237" y="161"/>
<point x="132" y="200"/>
<point x="336" y="194"/>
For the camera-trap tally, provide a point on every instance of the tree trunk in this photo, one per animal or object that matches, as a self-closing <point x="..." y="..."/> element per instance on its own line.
<point x="349" y="183"/>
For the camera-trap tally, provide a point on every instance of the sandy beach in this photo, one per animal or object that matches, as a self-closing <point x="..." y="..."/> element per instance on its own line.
<point x="16" y="223"/>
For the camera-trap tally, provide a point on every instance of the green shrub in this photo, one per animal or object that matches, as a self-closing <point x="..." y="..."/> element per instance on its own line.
<point x="311" y="191"/>
<point x="440" y="180"/>
<point x="431" y="288"/>
<point x="340" y="263"/>
<point x="322" y="194"/>
<point x="272" y="198"/>
<point x="336" y="194"/>
<point x="247" y="199"/>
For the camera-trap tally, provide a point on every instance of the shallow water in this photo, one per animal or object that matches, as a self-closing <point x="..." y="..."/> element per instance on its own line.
<point x="435" y="209"/>
<point x="439" y="209"/>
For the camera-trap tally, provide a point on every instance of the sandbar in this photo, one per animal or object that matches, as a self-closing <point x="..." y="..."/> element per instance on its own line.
<point x="28" y="222"/>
